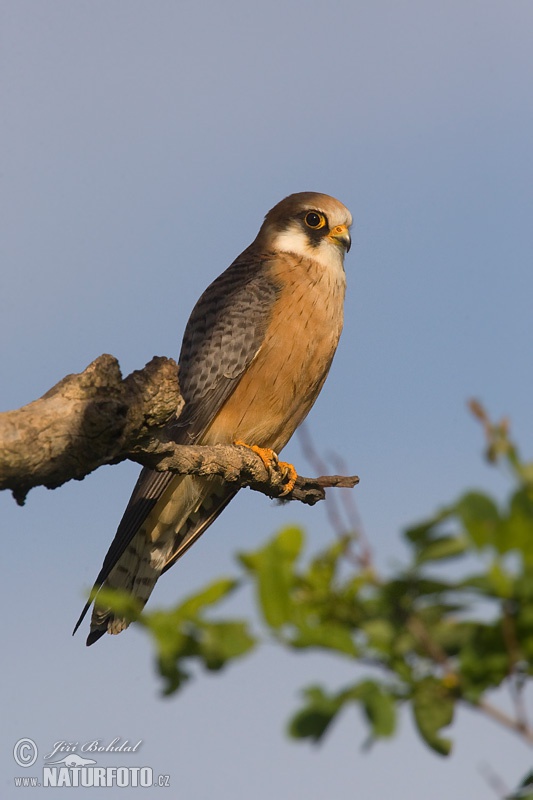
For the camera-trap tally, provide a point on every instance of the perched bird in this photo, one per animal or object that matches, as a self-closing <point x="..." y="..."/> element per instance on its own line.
<point x="255" y="354"/>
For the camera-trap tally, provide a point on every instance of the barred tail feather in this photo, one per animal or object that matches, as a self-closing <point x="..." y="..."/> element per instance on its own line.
<point x="162" y="539"/>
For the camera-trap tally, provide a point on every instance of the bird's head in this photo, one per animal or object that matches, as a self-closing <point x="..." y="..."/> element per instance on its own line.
<point x="308" y="224"/>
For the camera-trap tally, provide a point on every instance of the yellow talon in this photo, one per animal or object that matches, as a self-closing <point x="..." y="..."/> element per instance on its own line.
<point x="269" y="457"/>
<point x="290" y="475"/>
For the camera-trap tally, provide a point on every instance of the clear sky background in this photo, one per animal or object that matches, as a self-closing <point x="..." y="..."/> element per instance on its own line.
<point x="142" y="144"/>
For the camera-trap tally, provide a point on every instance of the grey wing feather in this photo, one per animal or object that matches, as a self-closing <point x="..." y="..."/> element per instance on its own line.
<point x="222" y="337"/>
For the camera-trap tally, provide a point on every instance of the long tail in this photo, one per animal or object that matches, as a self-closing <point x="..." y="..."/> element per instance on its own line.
<point x="188" y="507"/>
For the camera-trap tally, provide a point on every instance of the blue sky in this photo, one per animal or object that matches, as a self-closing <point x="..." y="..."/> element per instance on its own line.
<point x="142" y="145"/>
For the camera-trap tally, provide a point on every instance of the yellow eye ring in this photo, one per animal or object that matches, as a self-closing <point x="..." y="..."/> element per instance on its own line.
<point x="315" y="220"/>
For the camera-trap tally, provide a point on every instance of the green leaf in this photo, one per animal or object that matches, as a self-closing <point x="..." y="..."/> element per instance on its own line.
<point x="433" y="708"/>
<point x="173" y="648"/>
<point x="452" y="634"/>
<point x="423" y="532"/>
<point x="323" y="568"/>
<point x="480" y="516"/>
<point x="484" y="660"/>
<point x="209" y="596"/>
<point x="501" y="581"/>
<point x="329" y="635"/>
<point x="223" y="641"/>
<point x="274" y="583"/>
<point x="380" y="633"/>
<point x="516" y="532"/>
<point x="441" y="548"/>
<point x="378" y="703"/>
<point x="273" y="565"/>
<point x="379" y="707"/>
<point x="182" y="635"/>
<point x="174" y="676"/>
<point x="289" y="543"/>
<point x="317" y="715"/>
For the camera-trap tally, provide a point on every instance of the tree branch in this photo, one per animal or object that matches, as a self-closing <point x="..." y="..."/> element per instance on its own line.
<point x="515" y="725"/>
<point x="98" y="417"/>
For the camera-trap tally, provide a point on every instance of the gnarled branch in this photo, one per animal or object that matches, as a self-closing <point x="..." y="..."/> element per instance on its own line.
<point x="98" y="417"/>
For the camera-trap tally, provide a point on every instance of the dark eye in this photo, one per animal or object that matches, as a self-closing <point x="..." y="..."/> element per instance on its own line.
<point x="315" y="220"/>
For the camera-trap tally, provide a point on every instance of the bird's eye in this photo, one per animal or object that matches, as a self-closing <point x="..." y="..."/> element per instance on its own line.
<point x="315" y="220"/>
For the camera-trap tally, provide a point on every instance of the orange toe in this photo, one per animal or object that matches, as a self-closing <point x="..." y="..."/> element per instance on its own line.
<point x="289" y="475"/>
<point x="269" y="457"/>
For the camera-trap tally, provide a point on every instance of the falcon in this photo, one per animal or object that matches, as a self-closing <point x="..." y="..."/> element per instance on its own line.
<point x="255" y="354"/>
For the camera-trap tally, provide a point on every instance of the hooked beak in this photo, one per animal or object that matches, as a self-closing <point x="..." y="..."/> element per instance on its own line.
<point x="340" y="235"/>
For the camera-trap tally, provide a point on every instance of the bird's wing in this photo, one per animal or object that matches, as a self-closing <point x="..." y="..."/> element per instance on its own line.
<point x="222" y="337"/>
<point x="224" y="334"/>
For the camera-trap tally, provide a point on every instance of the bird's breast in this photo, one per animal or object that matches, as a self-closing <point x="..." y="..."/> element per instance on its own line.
<point x="275" y="393"/>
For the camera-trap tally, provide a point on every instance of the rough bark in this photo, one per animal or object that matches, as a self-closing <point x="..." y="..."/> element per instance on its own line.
<point x="98" y="417"/>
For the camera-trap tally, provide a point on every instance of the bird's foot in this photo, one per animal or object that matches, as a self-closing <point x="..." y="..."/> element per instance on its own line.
<point x="270" y="459"/>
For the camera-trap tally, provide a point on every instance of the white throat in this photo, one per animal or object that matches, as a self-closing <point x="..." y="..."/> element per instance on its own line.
<point x="294" y="240"/>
